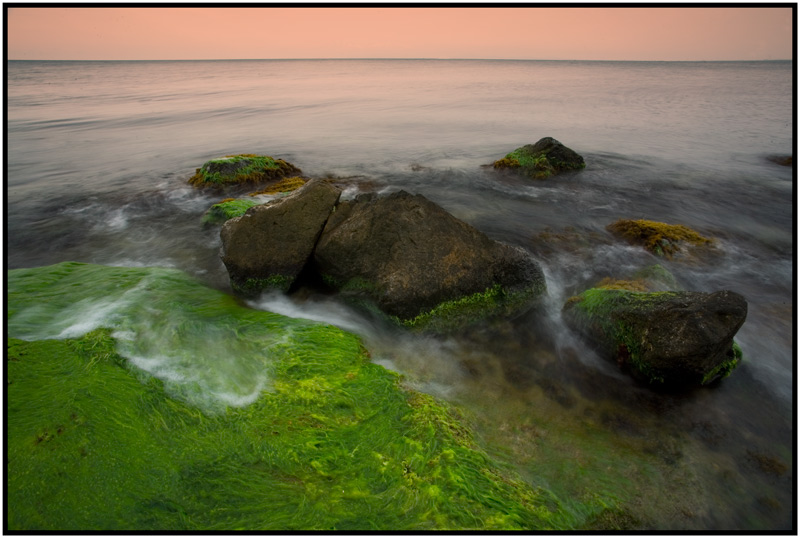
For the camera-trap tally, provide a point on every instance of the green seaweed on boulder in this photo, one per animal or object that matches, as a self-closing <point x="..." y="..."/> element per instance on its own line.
<point x="241" y="169"/>
<point x="465" y="311"/>
<point x="138" y="399"/>
<point x="227" y="209"/>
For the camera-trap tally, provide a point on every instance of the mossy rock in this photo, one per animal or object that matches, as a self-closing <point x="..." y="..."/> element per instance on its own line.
<point x="671" y="339"/>
<point x="243" y="169"/>
<point x="117" y="419"/>
<point x="545" y="158"/>
<point x="657" y="237"/>
<point x="285" y="185"/>
<point x="227" y="209"/>
<point x="650" y="278"/>
<point x="236" y="207"/>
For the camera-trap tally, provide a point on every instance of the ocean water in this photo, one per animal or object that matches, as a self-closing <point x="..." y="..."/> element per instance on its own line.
<point x="99" y="154"/>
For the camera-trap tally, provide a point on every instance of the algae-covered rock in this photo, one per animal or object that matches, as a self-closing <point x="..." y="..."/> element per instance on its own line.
<point x="545" y="158"/>
<point x="287" y="184"/>
<point x="657" y="237"/>
<point x="141" y="400"/>
<point x="244" y="169"/>
<point x="236" y="207"/>
<point x="227" y="209"/>
<point x="678" y="339"/>
<point x="420" y="264"/>
<point x="270" y="244"/>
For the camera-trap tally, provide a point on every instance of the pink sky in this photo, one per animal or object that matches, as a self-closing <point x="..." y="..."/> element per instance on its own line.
<point x="579" y="33"/>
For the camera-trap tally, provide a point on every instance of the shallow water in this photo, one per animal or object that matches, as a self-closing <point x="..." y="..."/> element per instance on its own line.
<point x="99" y="154"/>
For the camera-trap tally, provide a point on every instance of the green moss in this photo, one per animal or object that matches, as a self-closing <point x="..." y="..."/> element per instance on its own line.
<point x="287" y="184"/>
<point x="241" y="169"/>
<point x="725" y="369"/>
<point x="254" y="286"/>
<point x="657" y="237"/>
<point x="450" y="315"/>
<point x="227" y="209"/>
<point x="125" y="424"/>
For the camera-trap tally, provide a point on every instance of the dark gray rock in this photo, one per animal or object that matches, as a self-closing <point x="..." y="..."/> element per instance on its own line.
<point x="268" y="246"/>
<point x="422" y="265"/>
<point x="677" y="339"/>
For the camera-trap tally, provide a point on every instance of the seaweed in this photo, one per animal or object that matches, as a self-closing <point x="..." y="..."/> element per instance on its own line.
<point x="121" y="425"/>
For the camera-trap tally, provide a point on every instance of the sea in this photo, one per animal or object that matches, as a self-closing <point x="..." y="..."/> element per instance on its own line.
<point x="99" y="154"/>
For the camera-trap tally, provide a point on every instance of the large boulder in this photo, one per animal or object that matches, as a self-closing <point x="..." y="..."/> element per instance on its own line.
<point x="268" y="246"/>
<point x="243" y="169"/>
<point x="420" y="264"/>
<point x="673" y="339"/>
<point x="545" y="158"/>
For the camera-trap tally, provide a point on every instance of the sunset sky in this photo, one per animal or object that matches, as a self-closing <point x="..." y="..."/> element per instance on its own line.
<point x="564" y="33"/>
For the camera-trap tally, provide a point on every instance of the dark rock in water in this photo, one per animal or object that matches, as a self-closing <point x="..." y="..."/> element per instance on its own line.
<point x="269" y="245"/>
<point x="673" y="339"/>
<point x="244" y="169"/>
<point x="545" y="158"/>
<point x="420" y="264"/>
<point x="783" y="160"/>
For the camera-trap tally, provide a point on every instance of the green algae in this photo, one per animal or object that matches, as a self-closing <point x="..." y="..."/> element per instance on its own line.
<point x="252" y="287"/>
<point x="227" y="209"/>
<point x="464" y="311"/>
<point x="241" y="169"/>
<point x="657" y="237"/>
<point x="287" y="184"/>
<point x="98" y="439"/>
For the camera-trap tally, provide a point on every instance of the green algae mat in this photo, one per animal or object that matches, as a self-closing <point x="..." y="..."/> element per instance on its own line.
<point x="140" y="399"/>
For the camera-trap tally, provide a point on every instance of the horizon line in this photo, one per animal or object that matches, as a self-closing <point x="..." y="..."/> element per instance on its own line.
<point x="370" y="58"/>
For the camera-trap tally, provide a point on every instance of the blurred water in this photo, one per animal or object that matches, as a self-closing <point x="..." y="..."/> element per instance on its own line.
<point x="99" y="154"/>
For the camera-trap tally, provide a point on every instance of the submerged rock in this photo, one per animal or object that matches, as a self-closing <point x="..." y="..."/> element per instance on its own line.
<point x="269" y="245"/>
<point x="244" y="169"/>
<point x="545" y="158"/>
<point x="657" y="237"/>
<point x="420" y="264"/>
<point x="676" y="339"/>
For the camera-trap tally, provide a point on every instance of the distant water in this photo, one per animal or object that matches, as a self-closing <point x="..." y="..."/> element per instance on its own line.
<point x="99" y="154"/>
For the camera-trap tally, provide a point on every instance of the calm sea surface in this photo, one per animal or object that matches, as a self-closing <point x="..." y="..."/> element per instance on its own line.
<point x="99" y="154"/>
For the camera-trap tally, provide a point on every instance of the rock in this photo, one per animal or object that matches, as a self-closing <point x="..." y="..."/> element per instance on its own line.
<point x="244" y="169"/>
<point x="676" y="339"/>
<point x="420" y="264"/>
<point x="657" y="237"/>
<point x="545" y="158"/>
<point x="269" y="245"/>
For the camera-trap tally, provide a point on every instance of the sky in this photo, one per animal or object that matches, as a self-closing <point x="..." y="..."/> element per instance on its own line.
<point x="536" y="33"/>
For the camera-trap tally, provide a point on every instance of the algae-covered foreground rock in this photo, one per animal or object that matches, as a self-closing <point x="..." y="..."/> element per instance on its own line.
<point x="676" y="339"/>
<point x="545" y="158"/>
<point x="657" y="237"/>
<point x="422" y="265"/>
<point x="244" y="169"/>
<point x="140" y="400"/>
<point x="268" y="246"/>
